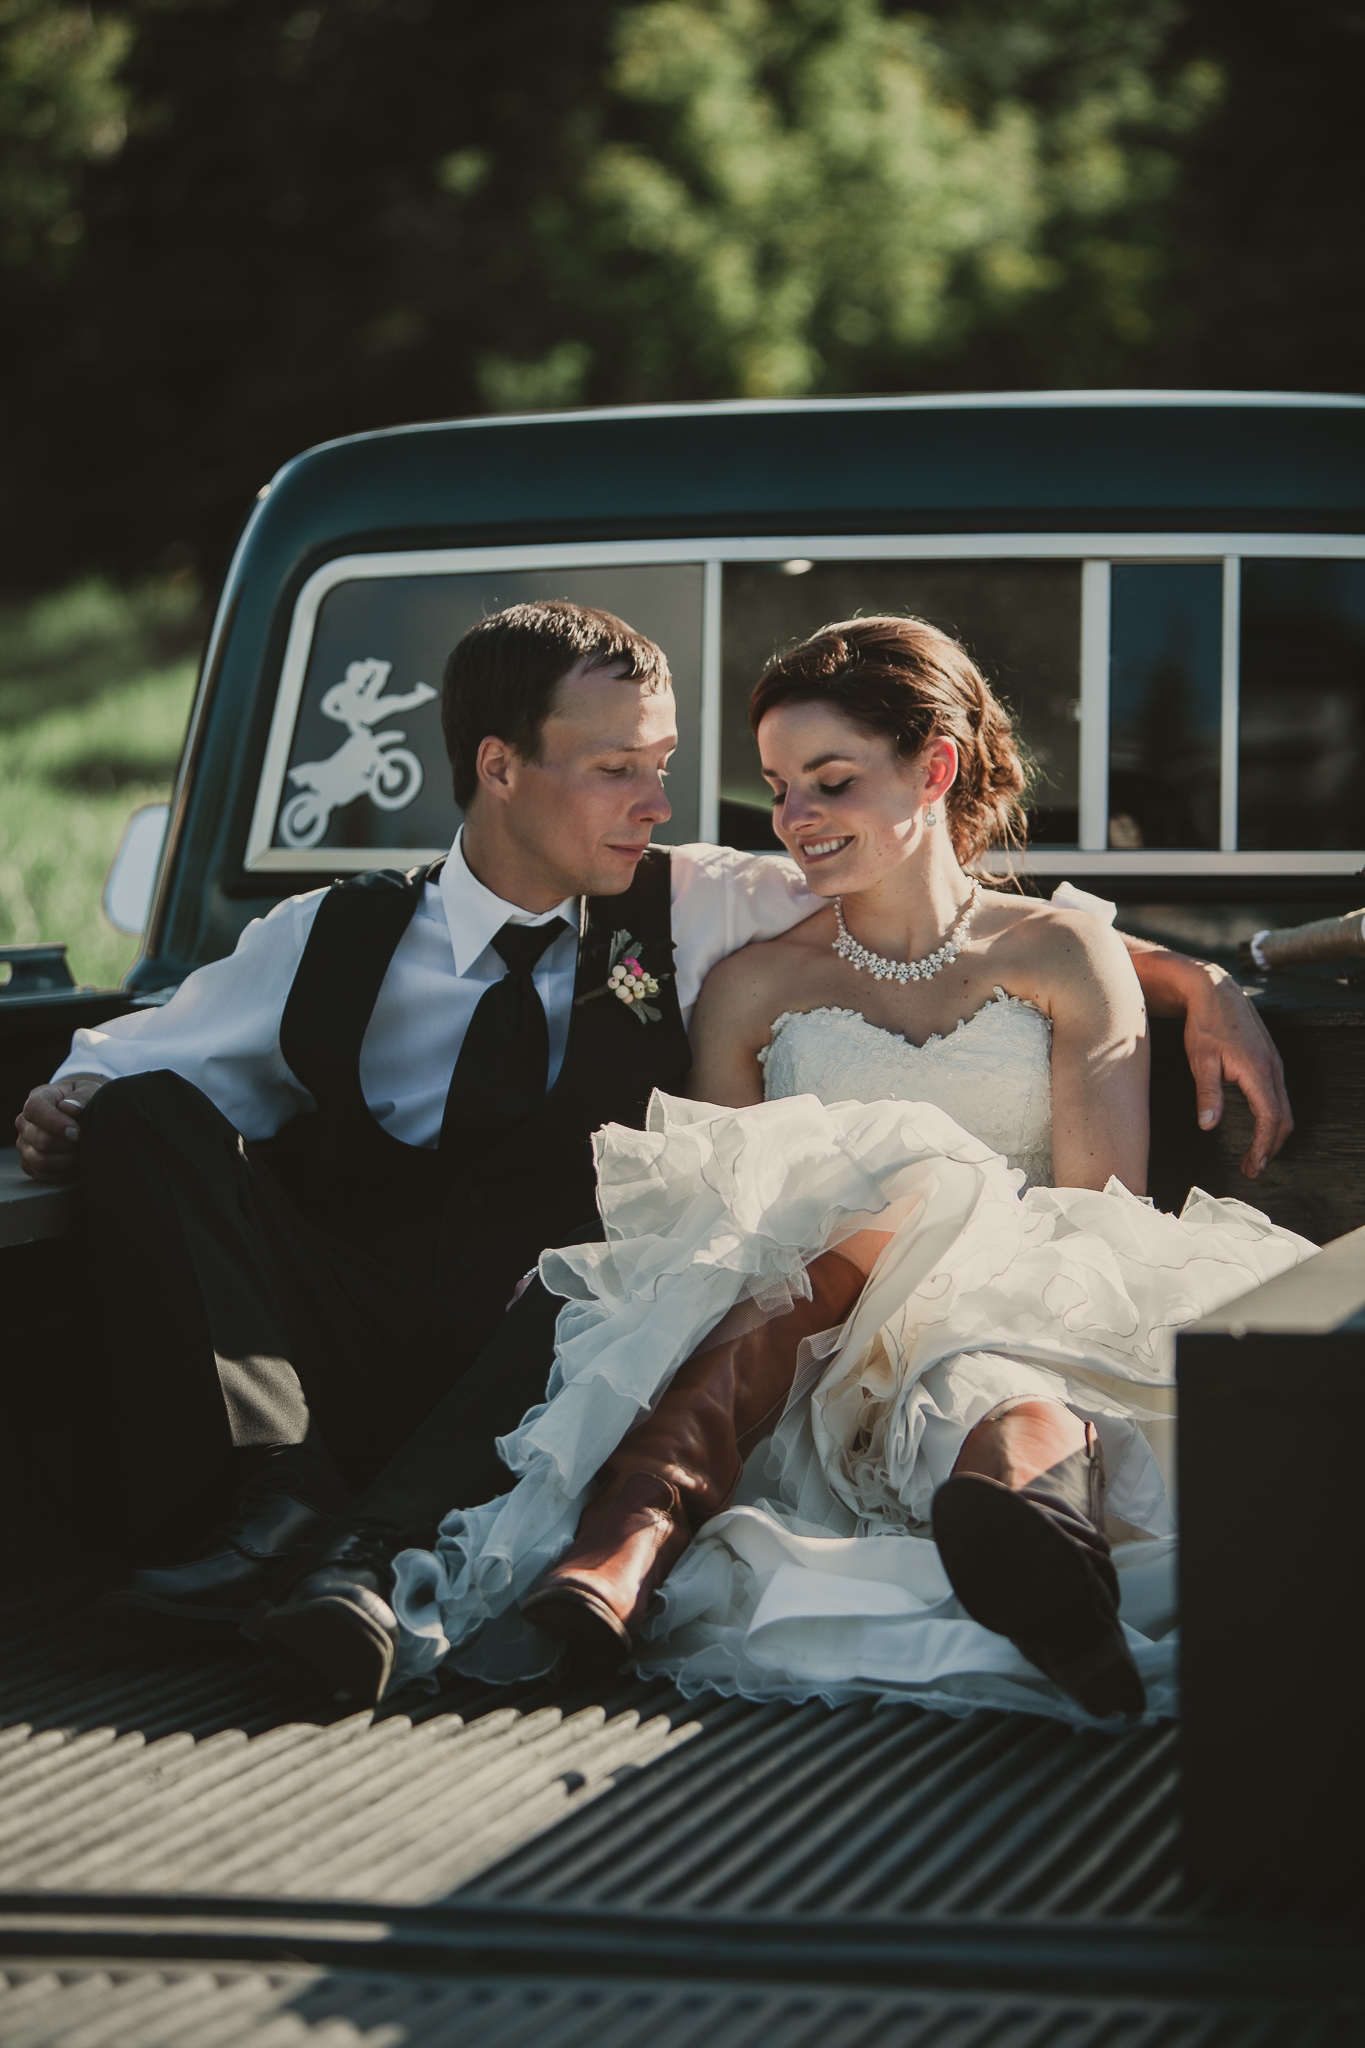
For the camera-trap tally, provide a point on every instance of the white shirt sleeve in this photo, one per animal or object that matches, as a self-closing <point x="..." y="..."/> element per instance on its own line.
<point x="722" y="899"/>
<point x="221" y="1028"/>
<point x="1067" y="896"/>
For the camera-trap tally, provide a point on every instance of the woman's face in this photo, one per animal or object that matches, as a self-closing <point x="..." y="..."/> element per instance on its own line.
<point x="846" y="805"/>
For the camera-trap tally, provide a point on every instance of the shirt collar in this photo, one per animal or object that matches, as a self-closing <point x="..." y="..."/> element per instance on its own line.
<point x="474" y="915"/>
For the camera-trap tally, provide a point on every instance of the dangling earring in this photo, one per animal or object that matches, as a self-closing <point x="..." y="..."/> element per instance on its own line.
<point x="931" y="816"/>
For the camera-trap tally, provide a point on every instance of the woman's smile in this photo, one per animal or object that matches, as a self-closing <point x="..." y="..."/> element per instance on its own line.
<point x="822" y="849"/>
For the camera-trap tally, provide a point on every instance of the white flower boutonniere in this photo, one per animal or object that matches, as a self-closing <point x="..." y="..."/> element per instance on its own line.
<point x="629" y="981"/>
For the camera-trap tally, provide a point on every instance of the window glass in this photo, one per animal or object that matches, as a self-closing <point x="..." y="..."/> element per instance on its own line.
<point x="1021" y="621"/>
<point x="1301" y="724"/>
<point x="1165" y="703"/>
<point x="367" y="771"/>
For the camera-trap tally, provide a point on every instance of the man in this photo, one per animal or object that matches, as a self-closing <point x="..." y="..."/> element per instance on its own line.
<point x="324" y="1166"/>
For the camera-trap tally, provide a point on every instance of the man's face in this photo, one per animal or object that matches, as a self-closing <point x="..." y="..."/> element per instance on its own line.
<point x="584" y="811"/>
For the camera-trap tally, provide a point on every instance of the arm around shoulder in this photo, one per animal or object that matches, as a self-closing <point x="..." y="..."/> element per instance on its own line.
<point x="724" y="899"/>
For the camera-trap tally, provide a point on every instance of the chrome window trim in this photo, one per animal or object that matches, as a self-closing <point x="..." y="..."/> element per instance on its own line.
<point x="1228" y="734"/>
<point x="1093" y="830"/>
<point x="1157" y="860"/>
<point x="1093" y="551"/>
<point x="708" y="808"/>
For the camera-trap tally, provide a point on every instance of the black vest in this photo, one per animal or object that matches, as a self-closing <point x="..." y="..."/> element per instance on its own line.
<point x="468" y="1226"/>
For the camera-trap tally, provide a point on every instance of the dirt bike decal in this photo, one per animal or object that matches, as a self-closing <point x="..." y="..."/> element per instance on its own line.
<point x="369" y="763"/>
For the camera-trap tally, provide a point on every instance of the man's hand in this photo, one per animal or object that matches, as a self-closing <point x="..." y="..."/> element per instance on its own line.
<point x="1225" y="1040"/>
<point x="49" y="1126"/>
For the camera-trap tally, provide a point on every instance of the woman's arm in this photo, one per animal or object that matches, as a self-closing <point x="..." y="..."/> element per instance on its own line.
<point x="729" y="1027"/>
<point x="1099" y="1058"/>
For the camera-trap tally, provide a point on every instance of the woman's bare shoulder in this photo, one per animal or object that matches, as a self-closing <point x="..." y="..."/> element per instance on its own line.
<point x="1039" y="923"/>
<point x="1056" y="950"/>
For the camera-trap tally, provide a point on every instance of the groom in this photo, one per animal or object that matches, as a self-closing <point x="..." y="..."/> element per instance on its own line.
<point x="325" y="1165"/>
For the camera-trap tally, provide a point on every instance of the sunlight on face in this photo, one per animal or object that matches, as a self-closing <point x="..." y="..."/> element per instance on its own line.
<point x="587" y="806"/>
<point x="846" y="805"/>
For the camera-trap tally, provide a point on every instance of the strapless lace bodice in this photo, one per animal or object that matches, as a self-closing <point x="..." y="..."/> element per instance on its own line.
<point x="993" y="1075"/>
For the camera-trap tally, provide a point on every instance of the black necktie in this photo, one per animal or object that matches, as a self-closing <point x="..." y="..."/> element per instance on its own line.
<point x="500" y="1075"/>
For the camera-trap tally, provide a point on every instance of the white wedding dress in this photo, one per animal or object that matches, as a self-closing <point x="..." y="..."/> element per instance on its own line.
<point x="823" y="1578"/>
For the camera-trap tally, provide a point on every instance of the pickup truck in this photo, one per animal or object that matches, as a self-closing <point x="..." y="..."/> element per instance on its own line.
<point x="1169" y="588"/>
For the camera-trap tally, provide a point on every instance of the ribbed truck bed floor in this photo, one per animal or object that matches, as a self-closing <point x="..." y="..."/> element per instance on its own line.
<point x="214" y="1853"/>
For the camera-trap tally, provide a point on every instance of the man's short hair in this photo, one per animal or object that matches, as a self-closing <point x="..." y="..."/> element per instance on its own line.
<point x="500" y="680"/>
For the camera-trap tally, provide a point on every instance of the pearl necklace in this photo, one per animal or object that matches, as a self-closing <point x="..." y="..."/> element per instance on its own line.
<point x="882" y="969"/>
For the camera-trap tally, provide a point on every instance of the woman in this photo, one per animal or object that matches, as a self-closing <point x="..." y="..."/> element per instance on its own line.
<point x="920" y="1275"/>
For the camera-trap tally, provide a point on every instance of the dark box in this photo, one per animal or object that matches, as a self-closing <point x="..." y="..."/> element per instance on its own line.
<point x="1272" y="1571"/>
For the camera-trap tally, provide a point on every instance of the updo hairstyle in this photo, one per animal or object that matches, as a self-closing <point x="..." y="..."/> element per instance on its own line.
<point x="907" y="680"/>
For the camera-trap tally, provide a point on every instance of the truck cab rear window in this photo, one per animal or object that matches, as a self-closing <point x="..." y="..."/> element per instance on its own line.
<point x="1187" y="706"/>
<point x="1301" y="739"/>
<point x="1020" y="620"/>
<point x="355" y="774"/>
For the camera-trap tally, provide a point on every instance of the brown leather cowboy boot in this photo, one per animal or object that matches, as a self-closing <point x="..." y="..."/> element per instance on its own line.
<point x="677" y="1468"/>
<point x="1020" y="1530"/>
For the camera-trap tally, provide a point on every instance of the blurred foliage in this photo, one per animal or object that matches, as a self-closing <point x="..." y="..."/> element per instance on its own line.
<point x="61" y="106"/>
<point x="835" y="196"/>
<point x="356" y="212"/>
<point x="798" y="195"/>
<point x="58" y="651"/>
<point x="95" y="690"/>
<point x="229" y="229"/>
<point x="1117" y="93"/>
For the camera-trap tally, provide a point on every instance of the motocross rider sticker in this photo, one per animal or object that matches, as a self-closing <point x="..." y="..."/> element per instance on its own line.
<point x="367" y="763"/>
<point x="354" y="774"/>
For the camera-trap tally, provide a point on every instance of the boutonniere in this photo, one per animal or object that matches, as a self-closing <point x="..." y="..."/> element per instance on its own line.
<point x="631" y="983"/>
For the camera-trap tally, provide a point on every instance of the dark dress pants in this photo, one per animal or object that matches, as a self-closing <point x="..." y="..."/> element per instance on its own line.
<point x="230" y="1321"/>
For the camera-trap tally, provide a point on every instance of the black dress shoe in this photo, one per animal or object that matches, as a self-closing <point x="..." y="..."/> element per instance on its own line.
<point x="336" y="1619"/>
<point x="282" y="1512"/>
<point x="1034" y="1564"/>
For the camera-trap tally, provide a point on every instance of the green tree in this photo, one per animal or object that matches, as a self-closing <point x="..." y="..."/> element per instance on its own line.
<point x="1118" y="95"/>
<point x="321" y="220"/>
<point x="782" y="194"/>
<point x="355" y="212"/>
<point x="62" y="107"/>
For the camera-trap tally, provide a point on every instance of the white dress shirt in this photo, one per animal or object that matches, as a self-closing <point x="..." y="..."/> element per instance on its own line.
<point x="221" y="1028"/>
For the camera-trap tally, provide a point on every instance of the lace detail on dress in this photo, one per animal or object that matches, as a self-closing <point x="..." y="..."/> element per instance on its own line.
<point x="992" y="1075"/>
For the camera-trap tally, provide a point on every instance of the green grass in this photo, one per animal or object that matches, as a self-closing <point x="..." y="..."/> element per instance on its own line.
<point x="95" y="691"/>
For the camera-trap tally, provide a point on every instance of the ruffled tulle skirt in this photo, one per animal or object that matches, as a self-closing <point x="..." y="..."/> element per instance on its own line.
<point x="823" y="1579"/>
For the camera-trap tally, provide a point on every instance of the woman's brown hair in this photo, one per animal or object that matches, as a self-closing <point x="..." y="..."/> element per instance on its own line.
<point x="907" y="680"/>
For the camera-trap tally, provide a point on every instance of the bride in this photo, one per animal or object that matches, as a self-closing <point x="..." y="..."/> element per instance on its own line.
<point x="871" y="1386"/>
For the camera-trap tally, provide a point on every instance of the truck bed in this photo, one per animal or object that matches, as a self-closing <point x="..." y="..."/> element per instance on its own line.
<point x="199" y="1851"/>
<point x="215" y="1852"/>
